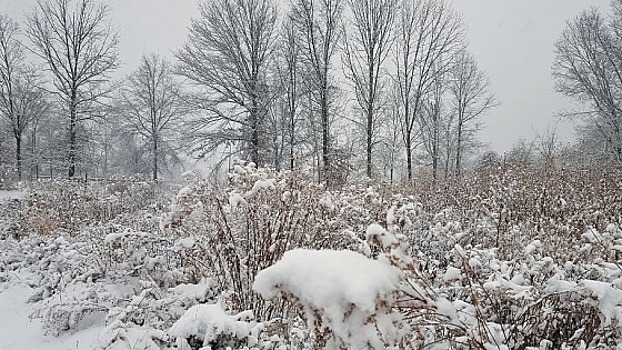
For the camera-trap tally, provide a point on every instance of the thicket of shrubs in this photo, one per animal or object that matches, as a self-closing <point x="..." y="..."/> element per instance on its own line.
<point x="500" y="258"/>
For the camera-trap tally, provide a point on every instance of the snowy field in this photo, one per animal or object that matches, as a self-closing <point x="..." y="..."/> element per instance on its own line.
<point x="7" y="195"/>
<point x="18" y="331"/>
<point x="511" y="260"/>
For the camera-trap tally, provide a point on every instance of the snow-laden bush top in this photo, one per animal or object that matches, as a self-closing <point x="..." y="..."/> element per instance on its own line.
<point x="209" y="322"/>
<point x="344" y="291"/>
<point x="329" y="279"/>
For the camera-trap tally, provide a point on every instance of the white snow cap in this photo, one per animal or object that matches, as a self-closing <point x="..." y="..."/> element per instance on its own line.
<point x="383" y="236"/>
<point x="208" y="321"/>
<point x="328" y="279"/>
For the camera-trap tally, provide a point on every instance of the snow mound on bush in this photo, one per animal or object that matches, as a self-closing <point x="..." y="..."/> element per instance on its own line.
<point x="208" y="322"/>
<point x="328" y="279"/>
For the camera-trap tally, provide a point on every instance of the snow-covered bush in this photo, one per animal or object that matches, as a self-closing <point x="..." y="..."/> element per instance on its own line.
<point x="475" y="300"/>
<point x="11" y="219"/>
<point x="68" y="206"/>
<point x="346" y="297"/>
<point x="209" y="325"/>
<point x="500" y="258"/>
<point x="501" y="207"/>
<point x="232" y="234"/>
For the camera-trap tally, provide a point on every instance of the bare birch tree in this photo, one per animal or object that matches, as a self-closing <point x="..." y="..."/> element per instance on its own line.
<point x="470" y="97"/>
<point x="365" y="51"/>
<point x="318" y="23"/>
<point x="427" y="33"/>
<point x="80" y="49"/>
<point x="153" y="103"/>
<point x="588" y="68"/>
<point x="228" y="57"/>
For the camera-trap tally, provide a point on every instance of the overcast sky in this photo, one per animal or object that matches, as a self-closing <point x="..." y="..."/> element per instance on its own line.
<point x="513" y="41"/>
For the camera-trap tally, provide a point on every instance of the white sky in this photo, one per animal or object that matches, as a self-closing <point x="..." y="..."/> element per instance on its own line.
<point x="144" y="26"/>
<point x="513" y="41"/>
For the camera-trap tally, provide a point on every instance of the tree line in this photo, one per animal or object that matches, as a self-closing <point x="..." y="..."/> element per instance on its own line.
<point x="374" y="88"/>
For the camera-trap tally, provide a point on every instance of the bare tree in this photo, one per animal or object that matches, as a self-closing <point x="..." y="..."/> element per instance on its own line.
<point x="389" y="146"/>
<point x="153" y="103"/>
<point x="432" y="122"/>
<point x="80" y="49"/>
<point x="31" y="103"/>
<point x="22" y="100"/>
<point x="228" y="56"/>
<point x="365" y="52"/>
<point x="548" y="146"/>
<point x="588" y="68"/>
<point x="427" y="33"/>
<point x="318" y="23"/>
<point x="470" y="96"/>
<point x="521" y="153"/>
<point x="11" y="61"/>
<point x="289" y="69"/>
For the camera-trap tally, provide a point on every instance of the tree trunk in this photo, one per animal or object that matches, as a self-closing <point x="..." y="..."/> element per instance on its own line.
<point x="254" y="142"/>
<point x="255" y="121"/>
<point x="18" y="156"/>
<point x="409" y="155"/>
<point x="447" y="163"/>
<point x="72" y="150"/>
<point x="370" y="121"/>
<point x="434" y="162"/>
<point x="459" y="149"/>
<point x="291" y="144"/>
<point x="35" y="161"/>
<point x="72" y="136"/>
<point x="106" y="155"/>
<point x="435" y="143"/>
<point x="155" y="159"/>
<point x="325" y="138"/>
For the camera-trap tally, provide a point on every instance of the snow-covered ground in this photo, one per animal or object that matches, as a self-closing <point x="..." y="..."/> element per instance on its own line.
<point x="5" y="195"/>
<point x="19" y="332"/>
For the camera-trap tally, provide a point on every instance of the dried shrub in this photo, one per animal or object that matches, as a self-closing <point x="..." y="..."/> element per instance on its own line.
<point x="63" y="206"/>
<point x="235" y="232"/>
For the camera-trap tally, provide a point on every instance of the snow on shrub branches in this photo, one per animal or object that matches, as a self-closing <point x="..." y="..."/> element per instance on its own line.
<point x="506" y="258"/>
<point x="341" y="292"/>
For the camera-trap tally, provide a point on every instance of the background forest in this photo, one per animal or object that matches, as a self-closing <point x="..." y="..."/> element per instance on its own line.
<point x="287" y="87"/>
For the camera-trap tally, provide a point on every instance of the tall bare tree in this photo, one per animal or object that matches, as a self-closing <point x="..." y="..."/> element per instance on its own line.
<point x="365" y="52"/>
<point x="470" y="95"/>
<point x="22" y="100"/>
<point x="318" y="23"/>
<point x="289" y="70"/>
<point x="31" y="104"/>
<point x="432" y="122"/>
<point x="427" y="33"/>
<point x="80" y="49"/>
<point x="390" y="147"/>
<point x="153" y="103"/>
<point x="588" y="68"/>
<point x="228" y="56"/>
<point x="11" y="62"/>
